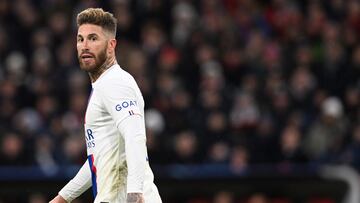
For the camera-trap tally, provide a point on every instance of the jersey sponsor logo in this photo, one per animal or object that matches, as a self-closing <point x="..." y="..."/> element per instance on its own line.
<point x="125" y="104"/>
<point x="89" y="137"/>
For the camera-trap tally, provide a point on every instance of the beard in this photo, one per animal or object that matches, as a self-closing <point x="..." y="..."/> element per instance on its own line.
<point x="99" y="59"/>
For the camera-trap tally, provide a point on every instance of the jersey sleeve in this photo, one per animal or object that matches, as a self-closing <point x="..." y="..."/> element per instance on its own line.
<point x="122" y="104"/>
<point x="78" y="185"/>
<point x="120" y="101"/>
<point x="133" y="130"/>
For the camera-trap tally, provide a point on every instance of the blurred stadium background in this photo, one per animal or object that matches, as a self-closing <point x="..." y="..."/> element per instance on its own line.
<point x="247" y="101"/>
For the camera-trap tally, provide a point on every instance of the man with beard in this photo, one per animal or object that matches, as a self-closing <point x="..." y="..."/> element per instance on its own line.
<point x="117" y="167"/>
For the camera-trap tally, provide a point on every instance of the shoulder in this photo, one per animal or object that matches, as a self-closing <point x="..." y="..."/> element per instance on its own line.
<point x="117" y="80"/>
<point x="117" y="76"/>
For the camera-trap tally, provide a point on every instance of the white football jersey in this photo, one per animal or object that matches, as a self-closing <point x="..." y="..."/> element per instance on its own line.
<point x="115" y="106"/>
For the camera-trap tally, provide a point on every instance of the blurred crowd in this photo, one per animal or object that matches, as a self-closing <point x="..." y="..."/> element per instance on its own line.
<point x="224" y="81"/>
<point x="219" y="197"/>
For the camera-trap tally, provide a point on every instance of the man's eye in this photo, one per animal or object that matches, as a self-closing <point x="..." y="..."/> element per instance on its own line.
<point x="93" y="38"/>
<point x="80" y="40"/>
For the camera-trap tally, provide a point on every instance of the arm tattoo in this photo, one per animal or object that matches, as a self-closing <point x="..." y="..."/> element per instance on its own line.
<point x="134" y="198"/>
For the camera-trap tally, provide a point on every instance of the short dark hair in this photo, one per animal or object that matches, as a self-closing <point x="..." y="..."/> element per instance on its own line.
<point x="97" y="16"/>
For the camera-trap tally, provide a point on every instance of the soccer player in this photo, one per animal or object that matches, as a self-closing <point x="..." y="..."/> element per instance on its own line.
<point x="117" y="166"/>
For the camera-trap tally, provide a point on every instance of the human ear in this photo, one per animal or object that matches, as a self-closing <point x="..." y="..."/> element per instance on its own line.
<point x="112" y="45"/>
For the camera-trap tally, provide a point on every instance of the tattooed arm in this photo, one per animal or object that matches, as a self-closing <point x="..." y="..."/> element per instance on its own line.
<point x="135" y="198"/>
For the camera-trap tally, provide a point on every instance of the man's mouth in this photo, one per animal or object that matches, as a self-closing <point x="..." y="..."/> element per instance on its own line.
<point x="86" y="56"/>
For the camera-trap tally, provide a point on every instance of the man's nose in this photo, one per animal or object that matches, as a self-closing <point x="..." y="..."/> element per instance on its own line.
<point x="85" y="44"/>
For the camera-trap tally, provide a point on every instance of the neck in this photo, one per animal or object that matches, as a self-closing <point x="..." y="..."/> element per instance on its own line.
<point x="94" y="75"/>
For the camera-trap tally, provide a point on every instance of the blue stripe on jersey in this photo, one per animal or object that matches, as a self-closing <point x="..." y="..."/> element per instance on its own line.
<point x="93" y="174"/>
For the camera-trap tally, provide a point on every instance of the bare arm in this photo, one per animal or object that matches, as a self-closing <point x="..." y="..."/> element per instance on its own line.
<point x="58" y="199"/>
<point x="135" y="198"/>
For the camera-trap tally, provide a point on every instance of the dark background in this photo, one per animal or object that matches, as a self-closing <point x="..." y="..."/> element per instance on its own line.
<point x="230" y="86"/>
